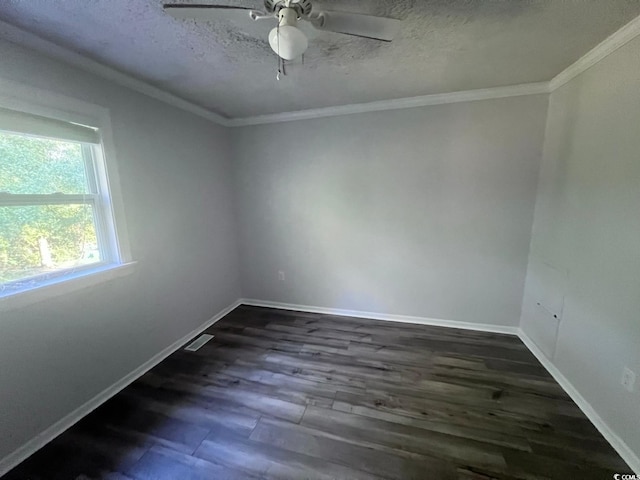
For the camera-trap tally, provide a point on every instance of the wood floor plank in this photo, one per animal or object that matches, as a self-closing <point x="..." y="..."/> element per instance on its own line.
<point x="293" y="395"/>
<point x="487" y="435"/>
<point x="363" y="458"/>
<point x="436" y="411"/>
<point x="403" y="437"/>
<point x="265" y="402"/>
<point x="165" y="464"/>
<point x="270" y="461"/>
<point x="209" y="416"/>
<point x="335" y="380"/>
<point x="533" y="464"/>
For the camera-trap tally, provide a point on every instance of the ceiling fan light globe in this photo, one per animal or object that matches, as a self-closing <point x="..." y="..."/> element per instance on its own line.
<point x="291" y="44"/>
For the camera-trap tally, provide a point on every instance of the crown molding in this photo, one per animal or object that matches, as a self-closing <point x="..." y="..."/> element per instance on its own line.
<point x="609" y="45"/>
<point x="602" y="50"/>
<point x="21" y="37"/>
<point x="396" y="104"/>
<point x="46" y="47"/>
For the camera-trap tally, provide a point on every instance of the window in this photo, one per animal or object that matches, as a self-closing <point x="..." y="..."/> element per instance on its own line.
<point x="56" y="218"/>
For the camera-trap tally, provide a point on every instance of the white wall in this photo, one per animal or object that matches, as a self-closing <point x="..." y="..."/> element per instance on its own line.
<point x="175" y="175"/>
<point x="587" y="225"/>
<point x="424" y="211"/>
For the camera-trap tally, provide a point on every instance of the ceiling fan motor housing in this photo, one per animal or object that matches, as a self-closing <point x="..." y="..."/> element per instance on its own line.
<point x="286" y="39"/>
<point x="302" y="7"/>
<point x="287" y="17"/>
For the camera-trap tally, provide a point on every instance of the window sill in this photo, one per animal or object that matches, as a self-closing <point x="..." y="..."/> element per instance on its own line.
<point x="62" y="286"/>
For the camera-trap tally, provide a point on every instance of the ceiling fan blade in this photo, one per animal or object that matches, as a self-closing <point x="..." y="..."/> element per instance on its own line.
<point x="199" y="11"/>
<point x="367" y="26"/>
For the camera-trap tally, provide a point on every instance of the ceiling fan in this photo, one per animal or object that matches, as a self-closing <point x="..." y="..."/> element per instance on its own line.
<point x="286" y="39"/>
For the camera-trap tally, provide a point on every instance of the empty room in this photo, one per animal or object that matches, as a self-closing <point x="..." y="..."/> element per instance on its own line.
<point x="319" y="239"/>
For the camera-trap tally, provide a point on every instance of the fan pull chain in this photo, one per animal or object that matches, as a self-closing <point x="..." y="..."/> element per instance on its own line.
<point x="281" y="68"/>
<point x="279" y="58"/>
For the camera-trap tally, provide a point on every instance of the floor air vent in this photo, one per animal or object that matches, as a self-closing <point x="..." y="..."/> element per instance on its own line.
<point x="198" y="342"/>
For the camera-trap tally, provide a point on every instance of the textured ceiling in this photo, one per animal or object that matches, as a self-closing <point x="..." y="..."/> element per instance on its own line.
<point x="227" y="66"/>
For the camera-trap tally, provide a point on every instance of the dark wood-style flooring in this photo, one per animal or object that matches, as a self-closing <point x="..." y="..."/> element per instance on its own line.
<point x="289" y="395"/>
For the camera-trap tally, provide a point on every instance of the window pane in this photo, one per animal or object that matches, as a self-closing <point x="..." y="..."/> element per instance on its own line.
<point x="41" y="239"/>
<point x="40" y="165"/>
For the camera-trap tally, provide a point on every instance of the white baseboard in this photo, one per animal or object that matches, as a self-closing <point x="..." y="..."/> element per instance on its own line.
<point x="57" y="428"/>
<point x="482" y="327"/>
<point x="40" y="440"/>
<point x="616" y="442"/>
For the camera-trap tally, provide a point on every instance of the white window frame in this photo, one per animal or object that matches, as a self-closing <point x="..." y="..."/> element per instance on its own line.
<point x="110" y="223"/>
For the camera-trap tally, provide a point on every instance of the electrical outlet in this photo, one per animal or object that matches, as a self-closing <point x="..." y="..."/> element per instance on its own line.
<point x="628" y="379"/>
<point x="281" y="275"/>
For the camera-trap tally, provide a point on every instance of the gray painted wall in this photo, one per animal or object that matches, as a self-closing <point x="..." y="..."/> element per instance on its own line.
<point x="424" y="211"/>
<point x="175" y="175"/>
<point x="587" y="224"/>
